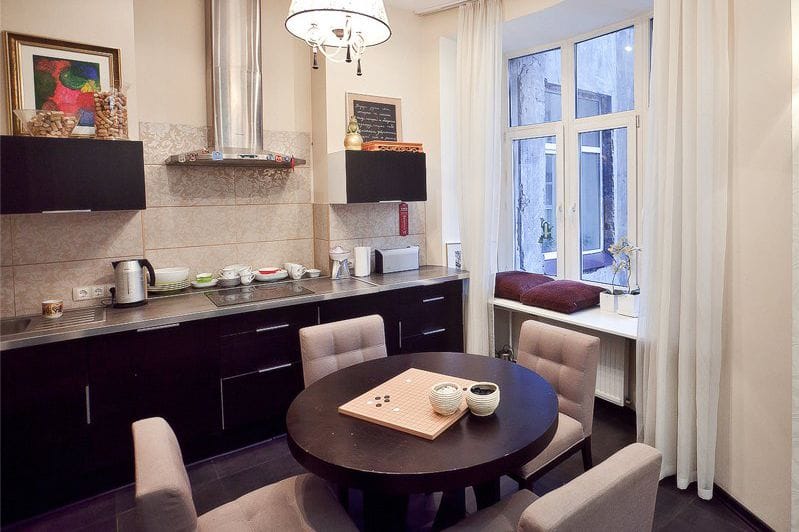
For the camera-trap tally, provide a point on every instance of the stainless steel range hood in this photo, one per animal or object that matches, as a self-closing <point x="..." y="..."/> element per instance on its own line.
<point x="235" y="106"/>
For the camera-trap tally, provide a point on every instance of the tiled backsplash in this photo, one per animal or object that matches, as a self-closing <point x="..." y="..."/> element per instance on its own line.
<point x="200" y="217"/>
<point x="365" y="224"/>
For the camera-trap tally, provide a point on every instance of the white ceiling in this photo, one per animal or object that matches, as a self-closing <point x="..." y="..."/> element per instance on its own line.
<point x="565" y="19"/>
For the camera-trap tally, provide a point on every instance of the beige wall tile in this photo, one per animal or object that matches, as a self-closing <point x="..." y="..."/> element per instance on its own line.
<point x="6" y="244"/>
<point x="171" y="227"/>
<point x="293" y="143"/>
<point x="273" y="185"/>
<point x="41" y="238"/>
<point x="416" y="218"/>
<point x="321" y="255"/>
<point x="169" y="186"/>
<point x="197" y="259"/>
<point x="321" y="221"/>
<point x="6" y="292"/>
<point x="258" y="254"/>
<point x="268" y="223"/>
<point x="363" y="220"/>
<point x="162" y="140"/>
<point x="36" y="282"/>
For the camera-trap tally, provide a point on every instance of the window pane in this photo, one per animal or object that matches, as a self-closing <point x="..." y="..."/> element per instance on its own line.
<point x="603" y="201"/>
<point x="535" y="199"/>
<point x="534" y="85"/>
<point x="604" y="74"/>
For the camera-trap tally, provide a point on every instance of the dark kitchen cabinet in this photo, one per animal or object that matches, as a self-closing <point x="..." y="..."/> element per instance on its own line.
<point x="70" y="174"/>
<point x="374" y="176"/>
<point x="431" y="318"/>
<point x="425" y="318"/>
<point x="383" y="304"/>
<point x="44" y="427"/>
<point x="169" y="371"/>
<point x="261" y="371"/>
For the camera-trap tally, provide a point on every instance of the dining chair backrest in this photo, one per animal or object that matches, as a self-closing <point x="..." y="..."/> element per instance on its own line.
<point x="568" y="361"/>
<point x="619" y="494"/>
<point x="332" y="346"/>
<point x="163" y="491"/>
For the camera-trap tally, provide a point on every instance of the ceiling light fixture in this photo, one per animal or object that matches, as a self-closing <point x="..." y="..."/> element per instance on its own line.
<point x="340" y="29"/>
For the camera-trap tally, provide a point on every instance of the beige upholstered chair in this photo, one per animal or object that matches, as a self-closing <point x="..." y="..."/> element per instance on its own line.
<point x="164" y="501"/>
<point x="619" y="494"/>
<point x="567" y="360"/>
<point x="332" y="346"/>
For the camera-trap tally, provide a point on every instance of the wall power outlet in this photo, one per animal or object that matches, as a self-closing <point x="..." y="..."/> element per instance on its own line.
<point x="82" y="293"/>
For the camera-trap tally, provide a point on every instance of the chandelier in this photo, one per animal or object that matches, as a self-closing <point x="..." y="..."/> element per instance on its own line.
<point x="340" y="29"/>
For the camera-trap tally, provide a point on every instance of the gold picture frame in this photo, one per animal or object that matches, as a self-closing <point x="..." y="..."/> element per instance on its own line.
<point x="21" y="85"/>
<point x="371" y="131"/>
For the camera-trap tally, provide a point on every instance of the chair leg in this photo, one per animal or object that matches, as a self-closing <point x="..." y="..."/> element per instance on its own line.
<point x="588" y="462"/>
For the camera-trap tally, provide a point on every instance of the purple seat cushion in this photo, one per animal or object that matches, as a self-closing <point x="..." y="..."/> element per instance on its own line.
<point x="511" y="285"/>
<point x="563" y="296"/>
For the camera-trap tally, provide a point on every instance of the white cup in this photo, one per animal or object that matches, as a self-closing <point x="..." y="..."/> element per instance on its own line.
<point x="229" y="272"/>
<point x="295" y="270"/>
<point x="246" y="277"/>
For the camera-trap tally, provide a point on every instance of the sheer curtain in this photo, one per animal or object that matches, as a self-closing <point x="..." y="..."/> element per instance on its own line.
<point x="479" y="152"/>
<point x="685" y="229"/>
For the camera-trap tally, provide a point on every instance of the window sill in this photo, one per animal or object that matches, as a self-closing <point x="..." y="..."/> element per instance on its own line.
<point x="592" y="318"/>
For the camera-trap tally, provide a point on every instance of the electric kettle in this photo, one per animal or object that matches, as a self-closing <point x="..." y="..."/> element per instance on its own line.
<point x="130" y="288"/>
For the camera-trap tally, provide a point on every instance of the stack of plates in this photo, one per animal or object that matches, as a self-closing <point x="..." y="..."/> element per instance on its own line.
<point x="169" y="287"/>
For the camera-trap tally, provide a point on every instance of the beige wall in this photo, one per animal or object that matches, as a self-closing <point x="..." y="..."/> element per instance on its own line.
<point x="100" y="22"/>
<point x="754" y="438"/>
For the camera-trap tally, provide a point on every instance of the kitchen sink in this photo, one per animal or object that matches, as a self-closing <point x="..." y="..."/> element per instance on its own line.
<point x="70" y="318"/>
<point x="14" y="325"/>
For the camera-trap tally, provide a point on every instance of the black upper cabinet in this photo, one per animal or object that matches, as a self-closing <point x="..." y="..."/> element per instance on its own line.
<point x="39" y="174"/>
<point x="374" y="176"/>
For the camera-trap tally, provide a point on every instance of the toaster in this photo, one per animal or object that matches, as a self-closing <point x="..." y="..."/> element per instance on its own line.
<point x="396" y="260"/>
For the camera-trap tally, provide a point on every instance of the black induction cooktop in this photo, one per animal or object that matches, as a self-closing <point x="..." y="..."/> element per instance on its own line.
<point x="252" y="294"/>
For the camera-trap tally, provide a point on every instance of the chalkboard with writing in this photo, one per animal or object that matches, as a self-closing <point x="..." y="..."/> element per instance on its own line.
<point x="379" y="118"/>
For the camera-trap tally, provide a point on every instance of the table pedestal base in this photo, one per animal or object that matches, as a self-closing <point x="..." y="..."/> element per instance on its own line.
<point x="383" y="512"/>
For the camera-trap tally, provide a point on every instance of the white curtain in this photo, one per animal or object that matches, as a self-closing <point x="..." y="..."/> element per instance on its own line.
<point x="479" y="149"/>
<point x="685" y="230"/>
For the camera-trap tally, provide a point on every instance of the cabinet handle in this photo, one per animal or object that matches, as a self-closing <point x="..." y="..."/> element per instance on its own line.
<point x="434" y="331"/>
<point x="87" y="394"/>
<point x="400" y="334"/>
<point x="273" y="368"/>
<point x="431" y="299"/>
<point x="158" y="327"/>
<point x="273" y="328"/>
<point x="390" y="201"/>
<point x="66" y="211"/>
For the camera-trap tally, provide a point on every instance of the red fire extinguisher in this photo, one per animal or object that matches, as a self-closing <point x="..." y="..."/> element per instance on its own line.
<point x="403" y="219"/>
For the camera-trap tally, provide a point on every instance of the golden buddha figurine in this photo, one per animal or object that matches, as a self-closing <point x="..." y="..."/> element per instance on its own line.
<point x="353" y="139"/>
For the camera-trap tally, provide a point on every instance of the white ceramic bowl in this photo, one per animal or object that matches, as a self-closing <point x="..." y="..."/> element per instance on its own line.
<point x="445" y="397"/>
<point x="280" y="275"/>
<point x="483" y="404"/>
<point x="313" y="272"/>
<point x="171" y="275"/>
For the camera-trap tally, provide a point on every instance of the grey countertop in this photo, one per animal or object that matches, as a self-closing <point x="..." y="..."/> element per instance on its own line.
<point x="195" y="305"/>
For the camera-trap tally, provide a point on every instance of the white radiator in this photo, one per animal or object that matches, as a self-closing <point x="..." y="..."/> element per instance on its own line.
<point x="612" y="381"/>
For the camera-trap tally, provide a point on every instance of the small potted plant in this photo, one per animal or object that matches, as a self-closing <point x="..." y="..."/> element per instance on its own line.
<point x="616" y="299"/>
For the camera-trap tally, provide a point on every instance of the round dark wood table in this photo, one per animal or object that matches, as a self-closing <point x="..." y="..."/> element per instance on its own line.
<point x="388" y="464"/>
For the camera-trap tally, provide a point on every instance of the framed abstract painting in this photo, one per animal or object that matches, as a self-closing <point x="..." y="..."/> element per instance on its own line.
<point x="57" y="75"/>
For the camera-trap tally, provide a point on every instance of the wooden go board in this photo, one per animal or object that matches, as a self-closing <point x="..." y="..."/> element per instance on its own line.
<point x="402" y="403"/>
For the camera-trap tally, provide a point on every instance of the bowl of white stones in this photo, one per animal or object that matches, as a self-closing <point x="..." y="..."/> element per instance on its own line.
<point x="445" y="397"/>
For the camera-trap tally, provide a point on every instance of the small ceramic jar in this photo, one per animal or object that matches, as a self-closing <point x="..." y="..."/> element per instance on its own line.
<point x="482" y="398"/>
<point x="445" y="397"/>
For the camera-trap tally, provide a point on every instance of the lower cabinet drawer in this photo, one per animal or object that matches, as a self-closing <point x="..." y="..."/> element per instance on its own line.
<point x="448" y="338"/>
<point x="260" y="397"/>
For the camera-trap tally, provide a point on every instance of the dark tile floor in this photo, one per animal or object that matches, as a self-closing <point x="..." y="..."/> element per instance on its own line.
<point x="222" y="479"/>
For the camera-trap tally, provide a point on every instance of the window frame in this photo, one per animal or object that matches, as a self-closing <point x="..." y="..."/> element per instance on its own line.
<point x="566" y="132"/>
